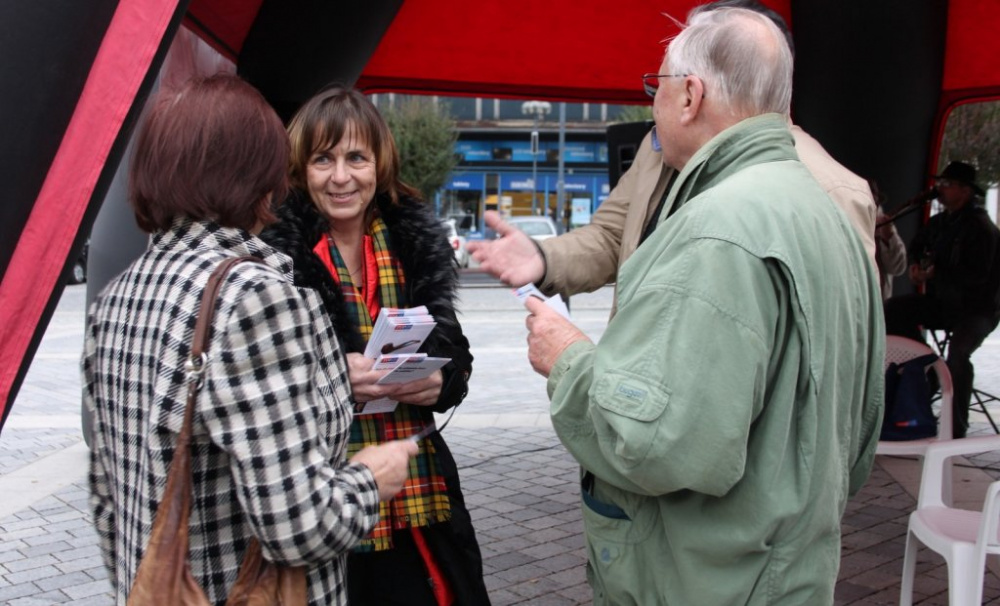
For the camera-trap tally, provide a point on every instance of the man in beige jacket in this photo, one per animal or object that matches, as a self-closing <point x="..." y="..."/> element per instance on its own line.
<point x="589" y="257"/>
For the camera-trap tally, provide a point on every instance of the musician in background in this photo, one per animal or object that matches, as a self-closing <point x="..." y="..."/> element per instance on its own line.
<point x="954" y="258"/>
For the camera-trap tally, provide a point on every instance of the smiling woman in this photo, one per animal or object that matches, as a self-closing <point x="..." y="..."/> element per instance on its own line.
<point x="341" y="181"/>
<point x="362" y="238"/>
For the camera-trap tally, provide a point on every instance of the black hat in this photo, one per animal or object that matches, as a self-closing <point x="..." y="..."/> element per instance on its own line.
<point x="963" y="173"/>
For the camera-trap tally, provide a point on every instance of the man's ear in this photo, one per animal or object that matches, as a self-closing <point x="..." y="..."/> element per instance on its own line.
<point x="694" y="94"/>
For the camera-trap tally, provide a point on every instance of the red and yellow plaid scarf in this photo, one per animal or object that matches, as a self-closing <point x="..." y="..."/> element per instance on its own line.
<point x="424" y="498"/>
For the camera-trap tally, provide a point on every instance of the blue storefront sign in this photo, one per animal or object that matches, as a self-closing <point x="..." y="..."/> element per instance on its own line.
<point x="519" y="150"/>
<point x="574" y="184"/>
<point x="474" y="151"/>
<point x="466" y="181"/>
<point x="595" y="185"/>
<point x="603" y="189"/>
<point x="580" y="152"/>
<point x="517" y="182"/>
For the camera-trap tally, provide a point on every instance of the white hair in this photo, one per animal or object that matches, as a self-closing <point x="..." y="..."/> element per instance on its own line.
<point x="748" y="73"/>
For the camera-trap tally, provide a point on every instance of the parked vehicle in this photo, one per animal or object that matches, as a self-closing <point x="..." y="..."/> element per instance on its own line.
<point x="457" y="244"/>
<point x="538" y="228"/>
<point x="78" y="271"/>
<point x="464" y="223"/>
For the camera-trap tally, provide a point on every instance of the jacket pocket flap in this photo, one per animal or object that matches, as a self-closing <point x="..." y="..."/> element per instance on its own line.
<point x="631" y="396"/>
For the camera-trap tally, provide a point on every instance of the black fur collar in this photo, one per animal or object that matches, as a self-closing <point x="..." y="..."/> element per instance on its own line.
<point x="419" y="241"/>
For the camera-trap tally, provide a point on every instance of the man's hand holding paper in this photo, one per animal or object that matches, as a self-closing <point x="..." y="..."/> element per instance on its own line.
<point x="531" y="291"/>
<point x="549" y="334"/>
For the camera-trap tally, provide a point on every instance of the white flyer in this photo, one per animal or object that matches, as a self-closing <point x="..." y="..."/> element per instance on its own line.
<point x="399" y="331"/>
<point x="407" y="367"/>
<point x="530" y="290"/>
<point x="382" y="405"/>
<point x="396" y="336"/>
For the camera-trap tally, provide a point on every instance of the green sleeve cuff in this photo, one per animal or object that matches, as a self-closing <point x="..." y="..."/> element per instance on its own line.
<point x="566" y="359"/>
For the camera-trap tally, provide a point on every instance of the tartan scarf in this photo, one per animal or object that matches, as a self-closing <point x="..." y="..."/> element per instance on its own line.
<point x="424" y="499"/>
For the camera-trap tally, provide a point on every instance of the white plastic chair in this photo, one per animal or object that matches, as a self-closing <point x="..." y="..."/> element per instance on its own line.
<point x="962" y="537"/>
<point x="899" y="350"/>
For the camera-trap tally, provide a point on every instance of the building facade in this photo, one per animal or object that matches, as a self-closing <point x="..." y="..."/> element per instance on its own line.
<point x="508" y="159"/>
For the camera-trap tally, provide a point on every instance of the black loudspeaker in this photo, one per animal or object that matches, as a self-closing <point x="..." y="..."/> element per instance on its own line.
<point x="623" y="144"/>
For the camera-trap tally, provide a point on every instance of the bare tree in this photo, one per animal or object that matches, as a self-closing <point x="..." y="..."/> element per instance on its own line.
<point x="425" y="134"/>
<point x="972" y="134"/>
<point x="635" y="113"/>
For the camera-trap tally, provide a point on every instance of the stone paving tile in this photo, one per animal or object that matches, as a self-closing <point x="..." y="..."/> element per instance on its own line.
<point x="42" y="599"/>
<point x="28" y="445"/>
<point x="12" y="592"/>
<point x="520" y="484"/>
<point x="63" y="580"/>
<point x="93" y="589"/>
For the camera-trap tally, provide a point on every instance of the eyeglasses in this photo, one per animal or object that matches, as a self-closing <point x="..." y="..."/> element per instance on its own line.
<point x="944" y="183"/>
<point x="651" y="82"/>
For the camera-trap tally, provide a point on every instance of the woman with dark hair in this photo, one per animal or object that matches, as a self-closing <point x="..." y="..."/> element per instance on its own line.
<point x="364" y="240"/>
<point x="272" y="416"/>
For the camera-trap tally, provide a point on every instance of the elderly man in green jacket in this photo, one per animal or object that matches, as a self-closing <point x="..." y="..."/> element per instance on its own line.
<point x="735" y="399"/>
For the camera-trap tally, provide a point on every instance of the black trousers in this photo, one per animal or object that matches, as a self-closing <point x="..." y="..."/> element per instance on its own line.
<point x="906" y="314"/>
<point x="395" y="577"/>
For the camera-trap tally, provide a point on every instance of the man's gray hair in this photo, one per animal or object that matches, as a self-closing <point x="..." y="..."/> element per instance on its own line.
<point x="739" y="71"/>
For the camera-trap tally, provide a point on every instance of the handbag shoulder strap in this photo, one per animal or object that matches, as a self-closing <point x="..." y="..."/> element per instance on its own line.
<point x="203" y="327"/>
<point x="195" y="365"/>
<point x="196" y="362"/>
<point x="165" y="560"/>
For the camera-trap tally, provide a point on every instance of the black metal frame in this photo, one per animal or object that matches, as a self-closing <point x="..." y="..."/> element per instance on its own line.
<point x="980" y="397"/>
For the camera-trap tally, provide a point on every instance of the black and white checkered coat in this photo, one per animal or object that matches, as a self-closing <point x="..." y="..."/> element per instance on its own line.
<point x="271" y="424"/>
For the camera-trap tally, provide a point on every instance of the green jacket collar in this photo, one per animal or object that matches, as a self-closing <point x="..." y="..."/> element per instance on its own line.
<point x="757" y="140"/>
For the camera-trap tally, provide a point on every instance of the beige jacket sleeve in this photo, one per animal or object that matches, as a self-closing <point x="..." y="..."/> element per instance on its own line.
<point x="588" y="257"/>
<point x="849" y="192"/>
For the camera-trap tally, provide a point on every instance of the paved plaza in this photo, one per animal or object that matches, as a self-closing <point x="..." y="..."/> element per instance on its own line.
<point x="520" y="484"/>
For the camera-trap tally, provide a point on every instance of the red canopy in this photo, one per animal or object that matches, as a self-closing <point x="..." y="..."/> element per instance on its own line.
<point x="972" y="49"/>
<point x="971" y="59"/>
<point x="537" y="50"/>
<point x="576" y="50"/>
<point x="62" y="148"/>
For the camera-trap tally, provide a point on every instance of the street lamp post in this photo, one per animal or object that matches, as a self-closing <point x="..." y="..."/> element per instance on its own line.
<point x="561" y="174"/>
<point x="539" y="109"/>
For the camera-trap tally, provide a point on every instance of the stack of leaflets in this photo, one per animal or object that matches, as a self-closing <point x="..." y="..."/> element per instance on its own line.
<point x="396" y="337"/>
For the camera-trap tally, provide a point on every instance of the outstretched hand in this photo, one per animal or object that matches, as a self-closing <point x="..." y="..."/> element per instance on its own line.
<point x="549" y="334"/>
<point x="389" y="463"/>
<point x="512" y="257"/>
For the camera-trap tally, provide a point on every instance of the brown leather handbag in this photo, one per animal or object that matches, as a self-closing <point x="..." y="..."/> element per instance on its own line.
<point x="164" y="576"/>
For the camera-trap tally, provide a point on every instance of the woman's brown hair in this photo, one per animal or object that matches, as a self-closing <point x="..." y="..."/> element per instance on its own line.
<point x="213" y="150"/>
<point x="327" y="117"/>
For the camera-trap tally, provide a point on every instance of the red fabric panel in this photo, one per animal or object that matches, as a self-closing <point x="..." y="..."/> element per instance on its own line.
<point x="586" y="50"/>
<point x="580" y="50"/>
<point x="223" y="24"/>
<point x="971" y="62"/>
<point x="972" y="50"/>
<point x="122" y="62"/>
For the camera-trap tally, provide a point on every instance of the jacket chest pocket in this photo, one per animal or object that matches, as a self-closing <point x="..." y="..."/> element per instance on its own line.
<point x="630" y="411"/>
